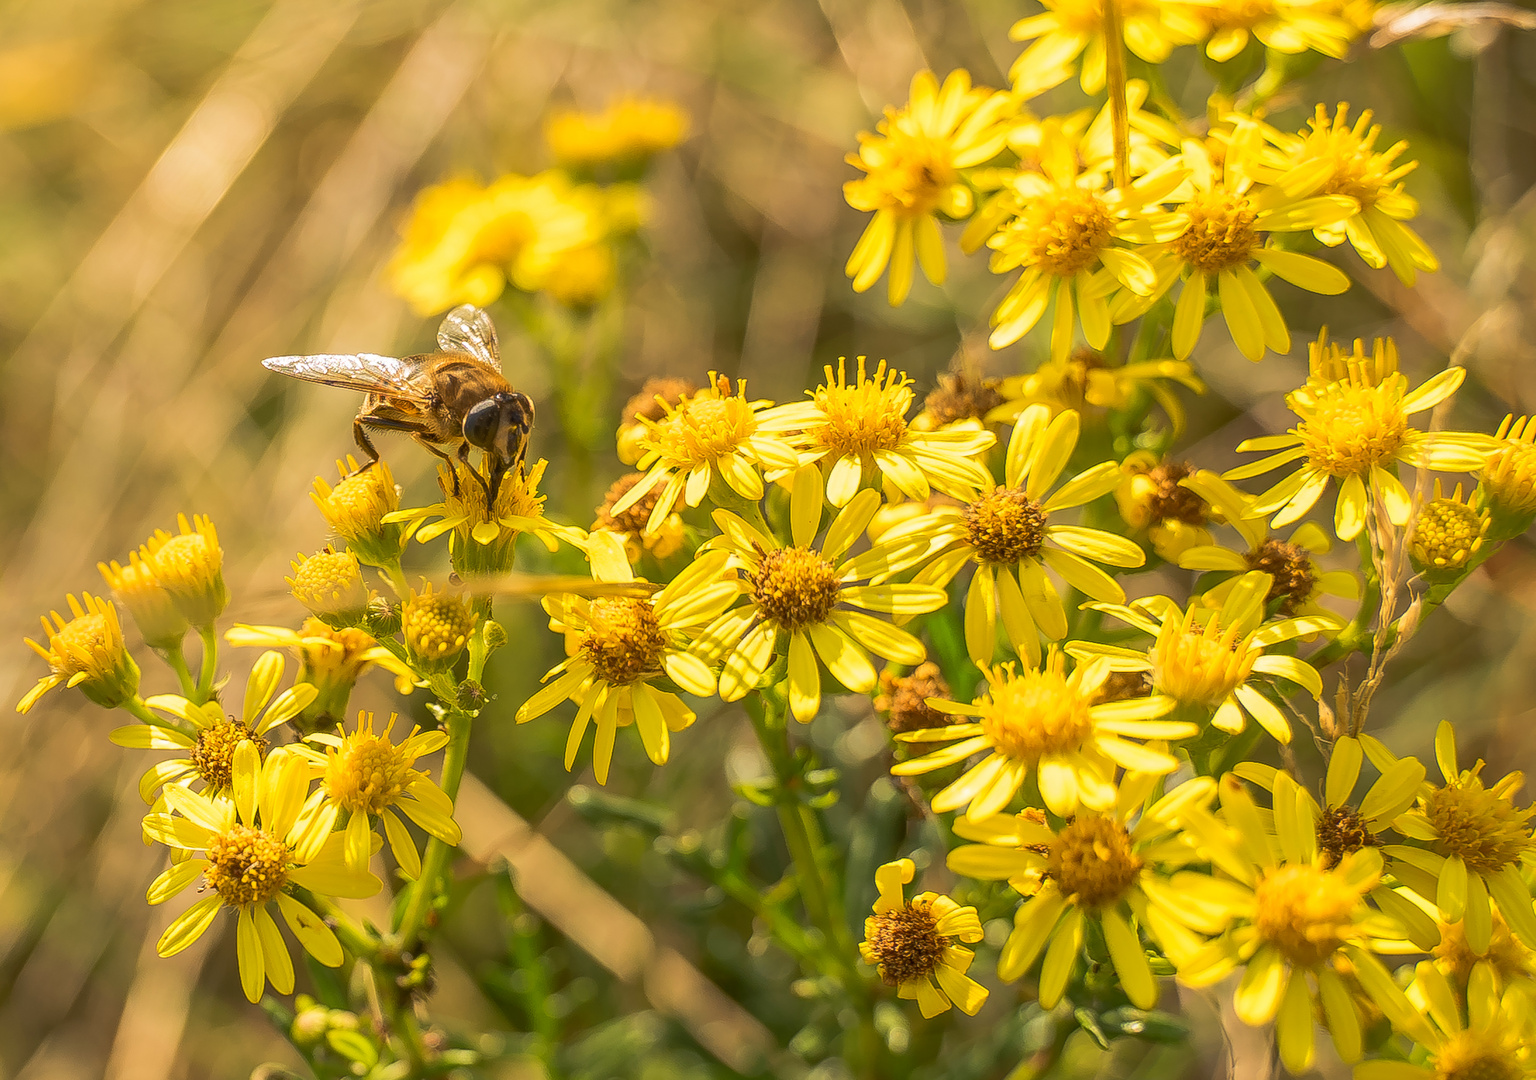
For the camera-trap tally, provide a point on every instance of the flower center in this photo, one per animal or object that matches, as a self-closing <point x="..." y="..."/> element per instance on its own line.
<point x="355" y="506"/>
<point x="795" y="587"/>
<point x="1306" y="912"/>
<point x="1510" y="477"/>
<point x="1092" y="861"/>
<point x="246" y="865"/>
<point x="186" y="563"/>
<point x="915" y="174"/>
<point x="368" y="774"/>
<point x="632" y="521"/>
<point x="1220" y="234"/>
<point x="436" y="626"/>
<point x="1446" y="533"/>
<point x="1483" y="827"/>
<point x="623" y="641"/>
<point x="865" y="416"/>
<point x="904" y="699"/>
<point x="81" y="641"/>
<point x="1035" y="714"/>
<point x="518" y="495"/>
<point x="1353" y="427"/>
<point x="1005" y="526"/>
<point x="1200" y="668"/>
<point x="703" y="430"/>
<point x="330" y="583"/>
<point x="1061" y="235"/>
<point x="1169" y="501"/>
<point x="1474" y="1055"/>
<point x="1341" y="831"/>
<point x="960" y="397"/>
<point x="906" y="942"/>
<point x="1291" y="568"/>
<point x="213" y="756"/>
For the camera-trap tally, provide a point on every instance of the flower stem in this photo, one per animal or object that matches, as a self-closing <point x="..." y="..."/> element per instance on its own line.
<point x="210" y="667"/>
<point x="136" y="706"/>
<point x="176" y="660"/>
<point x="1355" y="635"/>
<point x="1119" y="110"/>
<point x="396" y="578"/>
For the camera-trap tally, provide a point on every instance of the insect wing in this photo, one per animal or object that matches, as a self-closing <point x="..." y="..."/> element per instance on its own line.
<point x="468" y="329"/>
<point x="367" y="372"/>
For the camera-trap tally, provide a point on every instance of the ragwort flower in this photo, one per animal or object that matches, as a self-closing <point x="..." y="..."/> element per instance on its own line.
<point x="1506" y="486"/>
<point x="1087" y="384"/>
<point x="190" y="566"/>
<point x="796" y="596"/>
<point x="1493" y="1042"/>
<point x="249" y="851"/>
<point x="330" y="585"/>
<point x="912" y="943"/>
<point x="331" y="660"/>
<point x="1098" y="867"/>
<point x="912" y="173"/>
<point x="1353" y="428"/>
<point x="1154" y="501"/>
<point x="1068" y="29"/>
<point x="1045" y="722"/>
<point x="87" y="651"/>
<point x="859" y="434"/>
<point x="630" y="130"/>
<point x="1286" y="26"/>
<point x="356" y="509"/>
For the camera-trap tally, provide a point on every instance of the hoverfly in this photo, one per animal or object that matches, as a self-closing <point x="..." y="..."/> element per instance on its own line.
<point x="453" y="399"/>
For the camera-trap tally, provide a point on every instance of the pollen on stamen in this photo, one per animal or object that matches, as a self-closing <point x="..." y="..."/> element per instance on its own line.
<point x="795" y="587"/>
<point x="623" y="640"/>
<point x="1005" y="526"/>
<point x="864" y="415"/>
<point x="1037" y="713"/>
<point x="213" y="756"/>
<point x="246" y="865"/>
<point x="1092" y="861"/>
<point x="1221" y="233"/>
<point x="905" y="942"/>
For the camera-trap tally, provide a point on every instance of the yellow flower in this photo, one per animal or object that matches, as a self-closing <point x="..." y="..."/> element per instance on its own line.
<point x="1292" y="27"/>
<point x="1007" y="532"/>
<point x="795" y="596"/>
<point x="366" y="776"/>
<point x="1446" y="532"/>
<point x="1153" y="498"/>
<point x="1494" y="1042"/>
<point x="1085" y="383"/>
<point x="1045" y="722"/>
<point x="1296" y="578"/>
<point x="1506" y="486"/>
<point x="1473" y="840"/>
<point x="1069" y="232"/>
<point x="190" y="566"/>
<point x="1335" y="158"/>
<point x="959" y="396"/>
<point x="1098" y="868"/>
<point x="1298" y="925"/>
<point x="622" y="645"/>
<point x="208" y="748"/>
<point x="662" y="543"/>
<point x="1068" y="29"/>
<point x="859" y="434"/>
<point x="629" y="129"/>
<point x="152" y="608"/>
<point x="483" y="543"/>
<point x="331" y="660"/>
<point x="1507" y="960"/>
<point x="436" y="627"/>
<point x="712" y="432"/>
<point x="1228" y="220"/>
<point x="248" y="851"/>
<point x="1205" y="660"/>
<point x="1353" y="428"/>
<point x="330" y="584"/>
<point x="912" y="173"/>
<point x="577" y="277"/>
<point x="912" y="943"/>
<point x="85" y="650"/>
<point x="650" y="402"/>
<point x="356" y="509"/>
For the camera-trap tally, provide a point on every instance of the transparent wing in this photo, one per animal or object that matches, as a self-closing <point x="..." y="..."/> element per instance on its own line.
<point x="468" y="329"/>
<point x="367" y="372"/>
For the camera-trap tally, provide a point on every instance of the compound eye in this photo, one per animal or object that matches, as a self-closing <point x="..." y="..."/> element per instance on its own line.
<point x="481" y="422"/>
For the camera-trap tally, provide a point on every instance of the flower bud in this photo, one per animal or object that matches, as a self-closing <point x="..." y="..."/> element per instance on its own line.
<point x="190" y="567"/>
<point x="436" y="628"/>
<point x="355" y="509"/>
<point x="1507" y="483"/>
<point x="87" y="651"/>
<point x="152" y="608"/>
<point x="330" y="584"/>
<point x="1446" y="533"/>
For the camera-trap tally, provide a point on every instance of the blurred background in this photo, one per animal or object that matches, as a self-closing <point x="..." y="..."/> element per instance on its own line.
<point x="188" y="186"/>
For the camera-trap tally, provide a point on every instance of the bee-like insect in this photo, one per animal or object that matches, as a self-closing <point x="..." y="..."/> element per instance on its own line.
<point x="450" y="400"/>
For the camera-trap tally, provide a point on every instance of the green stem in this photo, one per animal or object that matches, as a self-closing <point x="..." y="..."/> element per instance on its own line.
<point x="403" y="1024"/>
<point x="136" y="706"/>
<point x="1119" y="112"/>
<point x="176" y="659"/>
<point x="1358" y="632"/>
<point x="357" y="941"/>
<point x="396" y="578"/>
<point x="210" y="667"/>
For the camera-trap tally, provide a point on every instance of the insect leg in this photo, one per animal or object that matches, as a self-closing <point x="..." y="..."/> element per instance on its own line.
<point x="364" y="443"/>
<point x="438" y="451"/>
<point x="489" y="486"/>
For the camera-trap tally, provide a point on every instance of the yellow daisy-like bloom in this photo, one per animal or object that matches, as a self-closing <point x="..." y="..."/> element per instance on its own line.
<point x="799" y="597"/>
<point x="85" y="650"/>
<point x="1353" y="428"/>
<point x="249" y="850"/>
<point x="482" y="541"/>
<point x="436" y="627"/>
<point x="1507" y="960"/>
<point x="1068" y="29"/>
<point x="356" y="509"/>
<point x="1007" y="532"/>
<point x="630" y="129"/>
<point x="1474" y="838"/>
<point x="1099" y="868"/>
<point x="1153" y="500"/>
<point x="366" y="776"/>
<point x="331" y="660"/>
<point x="209" y="738"/>
<point x="912" y="944"/>
<point x="190" y="566"/>
<point x="1069" y="234"/>
<point x="1506" y="486"/>
<point x="1045" y="722"/>
<point x="621" y="645"/>
<point x="650" y="402"/>
<point x="330" y="584"/>
<point x="1286" y="27"/>
<point x="1228" y="219"/>
<point x="1493" y="1043"/>
<point x="1296" y="580"/>
<point x="859" y="434"/>
<point x="1205" y="660"/>
<point x="713" y="432"/>
<point x="577" y="277"/>
<point x="912" y="173"/>
<point x="153" y="610"/>
<point x="1446" y="532"/>
<point x="1298" y="924"/>
<point x="1086" y="384"/>
<point x="1335" y="158"/>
